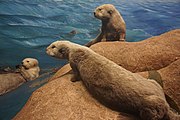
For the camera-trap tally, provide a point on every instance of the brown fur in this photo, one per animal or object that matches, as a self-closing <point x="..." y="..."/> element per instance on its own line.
<point x="29" y="70"/>
<point x="113" y="26"/>
<point x="112" y="84"/>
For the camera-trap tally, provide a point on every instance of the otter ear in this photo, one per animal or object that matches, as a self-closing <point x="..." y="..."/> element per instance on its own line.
<point x="62" y="50"/>
<point x="110" y="12"/>
<point x="35" y="64"/>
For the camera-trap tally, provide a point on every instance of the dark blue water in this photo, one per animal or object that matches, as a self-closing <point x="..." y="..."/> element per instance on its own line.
<point x="27" y="27"/>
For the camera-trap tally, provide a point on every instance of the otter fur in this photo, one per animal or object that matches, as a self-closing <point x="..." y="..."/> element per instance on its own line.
<point x="113" y="85"/>
<point x="113" y="26"/>
<point x="28" y="70"/>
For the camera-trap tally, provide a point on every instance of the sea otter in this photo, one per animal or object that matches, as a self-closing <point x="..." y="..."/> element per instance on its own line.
<point x="113" y="85"/>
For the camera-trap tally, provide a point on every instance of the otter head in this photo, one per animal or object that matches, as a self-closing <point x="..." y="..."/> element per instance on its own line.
<point x="58" y="49"/>
<point x="28" y="63"/>
<point x="104" y="12"/>
<point x="29" y="69"/>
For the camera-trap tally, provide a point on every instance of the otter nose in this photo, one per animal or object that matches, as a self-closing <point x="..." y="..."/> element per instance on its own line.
<point x="22" y="63"/>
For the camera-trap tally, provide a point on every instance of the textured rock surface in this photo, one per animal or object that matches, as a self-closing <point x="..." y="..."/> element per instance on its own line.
<point x="170" y="77"/>
<point x="150" y="54"/>
<point x="171" y="81"/>
<point x="62" y="99"/>
<point x="10" y="81"/>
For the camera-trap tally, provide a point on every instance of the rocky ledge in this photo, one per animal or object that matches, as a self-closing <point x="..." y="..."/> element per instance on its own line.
<point x="61" y="99"/>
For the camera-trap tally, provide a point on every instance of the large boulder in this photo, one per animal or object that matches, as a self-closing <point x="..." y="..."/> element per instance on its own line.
<point x="62" y="99"/>
<point x="150" y="54"/>
<point x="10" y="81"/>
<point x="171" y="81"/>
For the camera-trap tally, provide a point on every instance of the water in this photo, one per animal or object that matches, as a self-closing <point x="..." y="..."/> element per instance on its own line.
<point x="27" y="27"/>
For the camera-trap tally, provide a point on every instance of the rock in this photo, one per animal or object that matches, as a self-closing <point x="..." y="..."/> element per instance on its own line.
<point x="151" y="54"/>
<point x="62" y="99"/>
<point x="170" y="77"/>
<point x="171" y="81"/>
<point x="63" y="71"/>
<point x="10" y="81"/>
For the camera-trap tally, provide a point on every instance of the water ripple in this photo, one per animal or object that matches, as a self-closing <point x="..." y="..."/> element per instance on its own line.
<point x="27" y="27"/>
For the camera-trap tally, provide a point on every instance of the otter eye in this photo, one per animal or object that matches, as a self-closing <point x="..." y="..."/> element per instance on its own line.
<point x="100" y="9"/>
<point x="53" y="46"/>
<point x="27" y="61"/>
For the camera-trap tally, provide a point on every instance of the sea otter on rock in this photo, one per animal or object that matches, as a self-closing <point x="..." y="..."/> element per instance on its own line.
<point x="113" y="85"/>
<point x="28" y="70"/>
<point x="113" y="26"/>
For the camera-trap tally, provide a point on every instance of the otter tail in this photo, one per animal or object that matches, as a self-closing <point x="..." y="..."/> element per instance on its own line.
<point x="171" y="116"/>
<point x="154" y="108"/>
